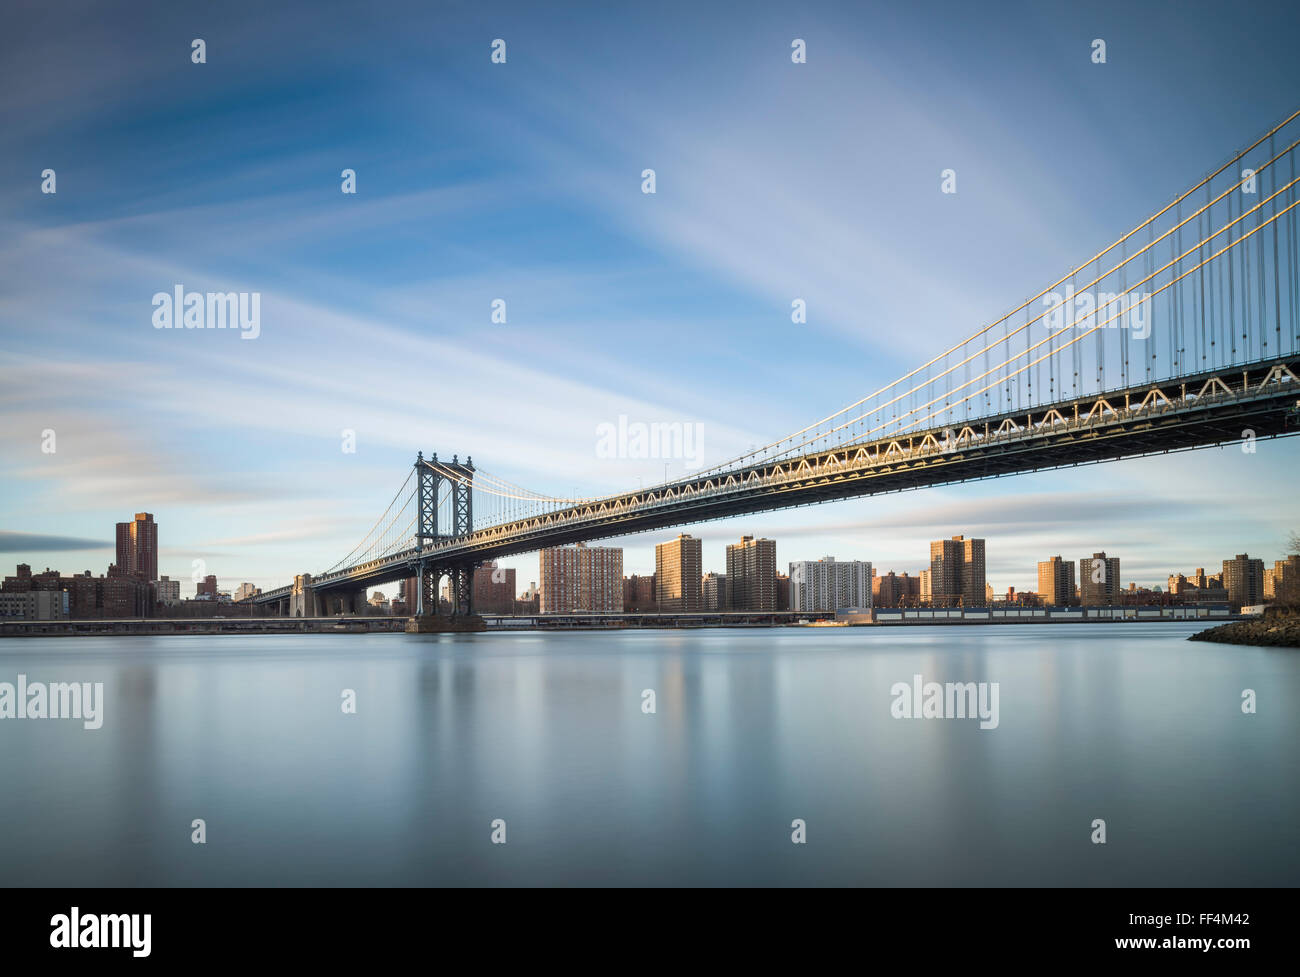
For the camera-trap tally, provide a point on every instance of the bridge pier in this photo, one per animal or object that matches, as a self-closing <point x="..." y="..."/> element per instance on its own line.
<point x="335" y="603"/>
<point x="302" y="601"/>
<point x="444" y="623"/>
<point x="426" y="617"/>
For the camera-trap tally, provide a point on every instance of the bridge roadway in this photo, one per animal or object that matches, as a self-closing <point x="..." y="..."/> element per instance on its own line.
<point x="1199" y="410"/>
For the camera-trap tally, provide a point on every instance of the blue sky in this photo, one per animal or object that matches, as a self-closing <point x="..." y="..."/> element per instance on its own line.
<point x="522" y="181"/>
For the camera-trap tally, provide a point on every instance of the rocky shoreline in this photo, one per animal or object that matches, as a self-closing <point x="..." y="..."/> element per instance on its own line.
<point x="1274" y="632"/>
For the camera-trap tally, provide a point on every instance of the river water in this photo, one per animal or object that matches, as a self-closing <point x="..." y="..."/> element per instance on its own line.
<point x="544" y="738"/>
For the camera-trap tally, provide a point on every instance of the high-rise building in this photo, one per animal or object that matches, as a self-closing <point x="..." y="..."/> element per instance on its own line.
<point x="494" y="589"/>
<point x="21" y="582"/>
<point x="1056" y="582"/>
<point x="751" y="575"/>
<point x="169" y="591"/>
<point x="945" y="570"/>
<point x="957" y="572"/>
<point x="1282" y="580"/>
<point x="639" y="594"/>
<point x="895" y="589"/>
<point x="713" y="592"/>
<point x="974" y="586"/>
<point x="245" y="591"/>
<point x="1099" y="580"/>
<point x="84" y="594"/>
<point x="137" y="547"/>
<point x="829" y="585"/>
<point x="1244" y="580"/>
<point x="678" y="578"/>
<point x="405" y="601"/>
<point x="581" y="579"/>
<point x="207" y="588"/>
<point x="126" y="594"/>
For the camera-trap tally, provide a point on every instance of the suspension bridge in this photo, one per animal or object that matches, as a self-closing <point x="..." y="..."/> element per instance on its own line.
<point x="1183" y="333"/>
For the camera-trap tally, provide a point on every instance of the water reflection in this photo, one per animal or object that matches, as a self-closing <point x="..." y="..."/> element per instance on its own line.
<point x="752" y="730"/>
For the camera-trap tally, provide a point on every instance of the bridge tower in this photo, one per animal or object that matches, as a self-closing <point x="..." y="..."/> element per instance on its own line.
<point x="438" y="482"/>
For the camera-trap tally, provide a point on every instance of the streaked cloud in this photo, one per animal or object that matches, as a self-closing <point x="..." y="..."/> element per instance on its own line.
<point x="16" y="542"/>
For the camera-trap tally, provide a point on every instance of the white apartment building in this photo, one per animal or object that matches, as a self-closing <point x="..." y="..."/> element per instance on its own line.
<point x="829" y="585"/>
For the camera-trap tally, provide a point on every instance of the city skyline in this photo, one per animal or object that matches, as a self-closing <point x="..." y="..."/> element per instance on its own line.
<point x="597" y="581"/>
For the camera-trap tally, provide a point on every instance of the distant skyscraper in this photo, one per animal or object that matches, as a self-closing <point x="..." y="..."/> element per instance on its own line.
<point x="974" y="586"/>
<point x="407" y="599"/>
<point x="494" y="589"/>
<point x="713" y="592"/>
<point x="639" y="594"/>
<point x="1056" y="582"/>
<point x="137" y="547"/>
<point x="895" y="589"/>
<point x="957" y="572"/>
<point x="207" y="588"/>
<point x="751" y="575"/>
<point x="245" y="591"/>
<point x="1099" y="580"/>
<point x="1244" y="580"/>
<point x="1282" y="581"/>
<point x="678" y="579"/>
<point x="169" y="591"/>
<point x="945" y="570"/>
<point x="582" y="578"/>
<point x="829" y="585"/>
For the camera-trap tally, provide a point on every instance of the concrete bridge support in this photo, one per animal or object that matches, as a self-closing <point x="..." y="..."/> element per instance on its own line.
<point x="460" y="588"/>
<point x="302" y="602"/>
<point x="333" y="603"/>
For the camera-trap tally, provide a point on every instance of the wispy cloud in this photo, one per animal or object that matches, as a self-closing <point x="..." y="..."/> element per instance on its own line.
<point x="16" y="542"/>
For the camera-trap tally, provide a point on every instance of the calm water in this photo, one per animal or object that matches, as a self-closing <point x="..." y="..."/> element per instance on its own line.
<point x="754" y="728"/>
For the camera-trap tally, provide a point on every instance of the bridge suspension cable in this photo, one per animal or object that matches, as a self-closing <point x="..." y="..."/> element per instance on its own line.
<point x="380" y="535"/>
<point x="809" y="436"/>
<point x="919" y="421"/>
